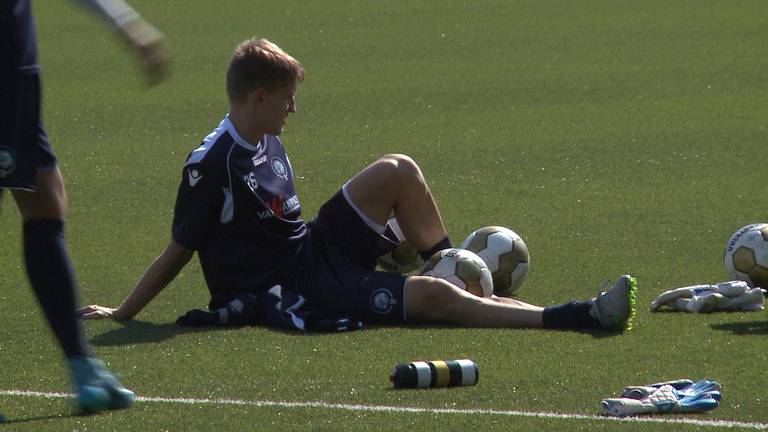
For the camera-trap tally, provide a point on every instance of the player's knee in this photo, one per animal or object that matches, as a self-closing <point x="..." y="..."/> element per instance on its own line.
<point x="431" y="299"/>
<point x="402" y="168"/>
<point x="49" y="201"/>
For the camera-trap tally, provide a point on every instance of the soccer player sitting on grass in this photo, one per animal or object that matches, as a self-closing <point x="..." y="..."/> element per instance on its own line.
<point x="237" y="207"/>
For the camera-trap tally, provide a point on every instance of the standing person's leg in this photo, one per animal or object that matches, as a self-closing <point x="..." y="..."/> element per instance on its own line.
<point x="28" y="168"/>
<point x="46" y="259"/>
<point x="53" y="281"/>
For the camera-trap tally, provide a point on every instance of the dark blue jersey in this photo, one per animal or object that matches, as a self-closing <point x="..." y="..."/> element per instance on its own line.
<point x="18" y="48"/>
<point x="237" y="207"/>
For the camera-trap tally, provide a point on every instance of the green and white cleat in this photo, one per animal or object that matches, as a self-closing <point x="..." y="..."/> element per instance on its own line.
<point x="96" y="388"/>
<point x="615" y="308"/>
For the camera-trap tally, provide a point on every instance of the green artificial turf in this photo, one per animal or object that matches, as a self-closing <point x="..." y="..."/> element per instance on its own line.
<point x="615" y="137"/>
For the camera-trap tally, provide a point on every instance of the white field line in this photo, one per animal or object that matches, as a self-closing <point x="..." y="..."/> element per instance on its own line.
<point x="411" y="410"/>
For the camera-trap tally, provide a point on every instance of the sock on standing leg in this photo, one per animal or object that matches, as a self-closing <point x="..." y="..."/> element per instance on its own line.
<point x="52" y="279"/>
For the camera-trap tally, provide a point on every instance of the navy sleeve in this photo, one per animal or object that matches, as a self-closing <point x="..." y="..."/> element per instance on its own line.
<point x="199" y="203"/>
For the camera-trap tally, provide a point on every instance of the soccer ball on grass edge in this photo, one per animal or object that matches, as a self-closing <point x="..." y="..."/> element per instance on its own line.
<point x="746" y="255"/>
<point x="462" y="268"/>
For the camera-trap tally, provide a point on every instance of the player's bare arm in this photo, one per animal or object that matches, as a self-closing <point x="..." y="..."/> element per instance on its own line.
<point x="157" y="276"/>
<point x="147" y="43"/>
<point x="143" y="38"/>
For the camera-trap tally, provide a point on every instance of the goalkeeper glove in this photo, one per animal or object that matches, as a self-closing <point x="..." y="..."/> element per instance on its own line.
<point x="684" y="387"/>
<point x="732" y="295"/>
<point x="680" y="396"/>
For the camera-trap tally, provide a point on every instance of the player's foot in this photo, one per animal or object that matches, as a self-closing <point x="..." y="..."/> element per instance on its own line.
<point x="97" y="389"/>
<point x="615" y="308"/>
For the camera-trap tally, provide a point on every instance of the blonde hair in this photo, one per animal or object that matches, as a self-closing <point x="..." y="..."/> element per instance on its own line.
<point x="259" y="63"/>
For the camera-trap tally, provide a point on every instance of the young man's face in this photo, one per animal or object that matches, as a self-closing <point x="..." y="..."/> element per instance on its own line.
<point x="276" y="105"/>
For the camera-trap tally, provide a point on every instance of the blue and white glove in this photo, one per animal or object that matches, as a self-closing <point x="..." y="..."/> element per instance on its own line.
<point x="679" y="396"/>
<point x="731" y="295"/>
<point x="684" y="387"/>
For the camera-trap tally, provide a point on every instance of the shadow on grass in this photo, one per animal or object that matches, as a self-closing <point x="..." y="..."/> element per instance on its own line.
<point x="601" y="333"/>
<point x="744" y="328"/>
<point x="9" y="422"/>
<point x="135" y="332"/>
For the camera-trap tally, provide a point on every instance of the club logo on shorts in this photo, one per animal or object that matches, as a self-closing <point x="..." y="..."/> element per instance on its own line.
<point x="278" y="166"/>
<point x="382" y="301"/>
<point x="7" y="161"/>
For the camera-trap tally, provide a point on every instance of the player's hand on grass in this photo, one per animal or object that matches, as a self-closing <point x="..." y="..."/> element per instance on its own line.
<point x="96" y="312"/>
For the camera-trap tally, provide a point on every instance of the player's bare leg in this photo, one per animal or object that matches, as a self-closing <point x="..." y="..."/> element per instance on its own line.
<point x="435" y="300"/>
<point x="395" y="182"/>
<point x="49" y="201"/>
<point x="52" y="280"/>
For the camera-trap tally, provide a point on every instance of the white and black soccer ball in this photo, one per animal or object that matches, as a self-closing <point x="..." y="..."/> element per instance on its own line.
<point x="505" y="254"/>
<point x="462" y="268"/>
<point x="404" y="258"/>
<point x="746" y="255"/>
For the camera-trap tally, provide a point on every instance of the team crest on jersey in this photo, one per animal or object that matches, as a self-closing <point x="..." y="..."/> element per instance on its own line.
<point x="382" y="301"/>
<point x="278" y="166"/>
<point x="7" y="161"/>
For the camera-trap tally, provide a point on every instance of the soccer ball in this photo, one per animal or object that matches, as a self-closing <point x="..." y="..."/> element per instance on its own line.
<point x="505" y="254"/>
<point x="462" y="268"/>
<point x="404" y="258"/>
<point x="746" y="255"/>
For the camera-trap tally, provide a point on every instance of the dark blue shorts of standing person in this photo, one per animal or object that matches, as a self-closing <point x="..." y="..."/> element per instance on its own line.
<point x="338" y="277"/>
<point x="24" y="146"/>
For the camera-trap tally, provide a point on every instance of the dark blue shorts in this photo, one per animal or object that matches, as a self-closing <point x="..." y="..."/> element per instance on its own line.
<point x="338" y="276"/>
<point x="24" y="146"/>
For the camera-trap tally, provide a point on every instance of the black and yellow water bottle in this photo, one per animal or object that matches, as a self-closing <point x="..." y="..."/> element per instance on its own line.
<point x="436" y="373"/>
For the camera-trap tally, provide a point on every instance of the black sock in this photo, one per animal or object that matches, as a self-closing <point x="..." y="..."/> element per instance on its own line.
<point x="445" y="243"/>
<point x="52" y="279"/>
<point x="572" y="315"/>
